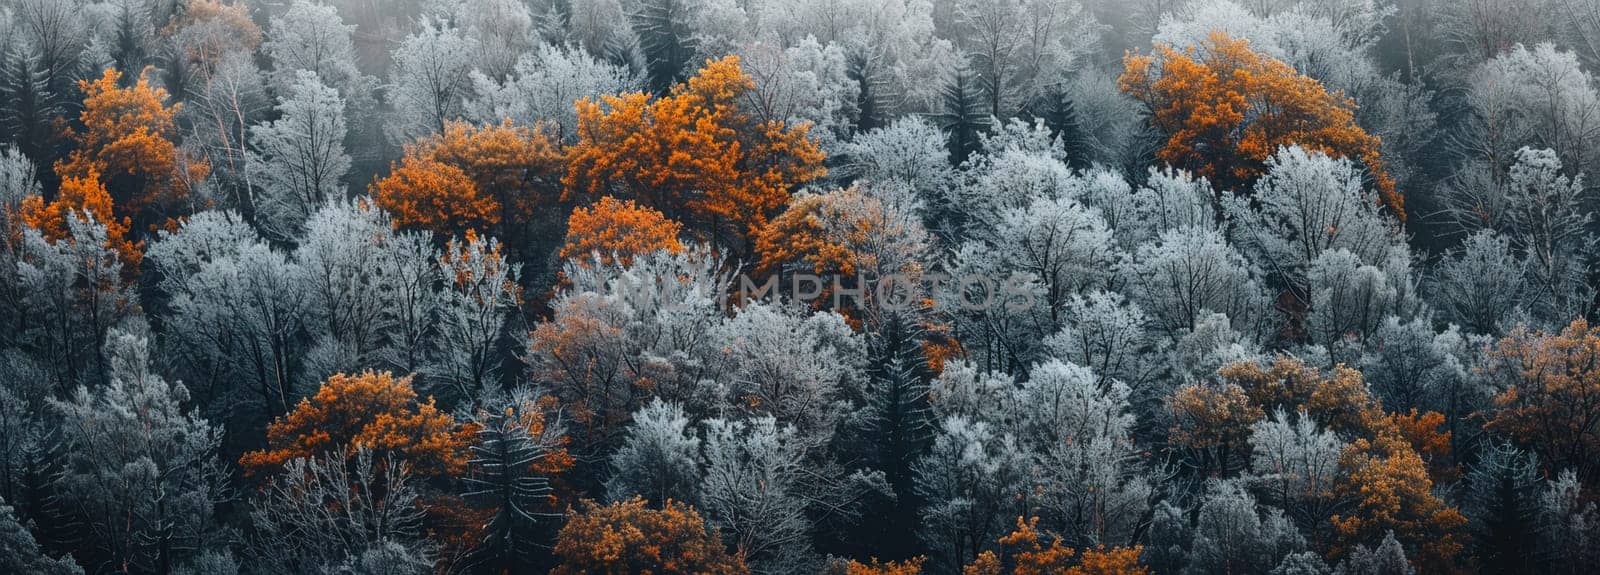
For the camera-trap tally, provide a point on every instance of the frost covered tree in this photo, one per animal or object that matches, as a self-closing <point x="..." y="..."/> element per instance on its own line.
<point x="431" y="79"/>
<point x="542" y="86"/>
<point x="1190" y="271"/>
<point x="323" y="513"/>
<point x="74" y="293"/>
<point x="20" y="552"/>
<point x="140" y="473"/>
<point x="1502" y="505"/>
<point x="299" y="160"/>
<point x="971" y="480"/>
<point x="1295" y="465"/>
<point x="660" y="458"/>
<point x="1231" y="535"/>
<point x="1479" y="285"/>
<point x="1306" y="204"/>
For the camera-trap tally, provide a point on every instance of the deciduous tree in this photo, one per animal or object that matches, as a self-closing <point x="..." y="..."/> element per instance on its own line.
<point x="1226" y="109"/>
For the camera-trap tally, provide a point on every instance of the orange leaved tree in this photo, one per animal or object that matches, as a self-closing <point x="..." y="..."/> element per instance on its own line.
<point x="1226" y="109"/>
<point x="374" y="410"/>
<point x="125" y="169"/>
<point x="619" y="229"/>
<point x="1024" y="553"/>
<point x="1550" y="395"/>
<point x="470" y="176"/>
<point x="694" y="155"/>
<point x="629" y="537"/>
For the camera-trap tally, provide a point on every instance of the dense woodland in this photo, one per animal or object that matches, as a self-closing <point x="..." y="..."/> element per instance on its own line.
<point x="460" y="286"/>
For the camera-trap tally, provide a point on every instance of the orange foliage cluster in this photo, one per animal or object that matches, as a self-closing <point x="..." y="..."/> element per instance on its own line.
<point x="125" y="163"/>
<point x="628" y="538"/>
<point x="693" y="155"/>
<point x="1214" y="420"/>
<point x="1024" y="554"/>
<point x="373" y="410"/>
<point x="1385" y="479"/>
<point x="470" y="176"/>
<point x="619" y="229"/>
<point x="1550" y="398"/>
<point x="1226" y="109"/>
<point x="911" y="566"/>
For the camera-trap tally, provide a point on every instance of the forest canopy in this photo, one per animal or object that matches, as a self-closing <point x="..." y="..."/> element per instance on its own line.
<point x="799" y="287"/>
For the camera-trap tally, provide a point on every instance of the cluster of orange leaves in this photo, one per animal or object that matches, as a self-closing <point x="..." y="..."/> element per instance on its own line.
<point x="693" y="154"/>
<point x="629" y="538"/>
<point x="470" y="176"/>
<point x="1385" y="478"/>
<point x="1227" y="109"/>
<point x="374" y="410"/>
<point x="125" y="163"/>
<point x="618" y="230"/>
<point x="1550" y="398"/>
<point x="1023" y="553"/>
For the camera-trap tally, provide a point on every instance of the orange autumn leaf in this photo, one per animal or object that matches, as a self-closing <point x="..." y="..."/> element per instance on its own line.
<point x="618" y="229"/>
<point x="434" y="196"/>
<point x="1023" y="552"/>
<point x="1550" y="394"/>
<point x="693" y="154"/>
<point x="912" y="566"/>
<point x="1226" y="109"/>
<point x="627" y="538"/>
<point x="490" y="174"/>
<point x="125" y="167"/>
<point x="374" y="410"/>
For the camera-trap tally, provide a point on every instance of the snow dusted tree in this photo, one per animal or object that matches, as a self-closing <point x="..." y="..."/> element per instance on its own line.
<point x="1064" y="245"/>
<point x="140" y="474"/>
<point x="220" y="114"/>
<point x="1539" y="97"/>
<point x="660" y="459"/>
<point x="1079" y="429"/>
<point x="1232" y="536"/>
<point x="618" y="324"/>
<point x="1191" y="271"/>
<point x="1387" y="558"/>
<point x="501" y="31"/>
<point x="342" y="255"/>
<point x="1309" y="203"/>
<point x="299" y="160"/>
<point x="326" y="512"/>
<point x="1106" y="333"/>
<point x="518" y="449"/>
<point x="1479" y="285"/>
<point x="972" y="480"/>
<point x="542" y="86"/>
<point x="20" y="553"/>
<point x="481" y="291"/>
<point x="1349" y="301"/>
<point x="792" y="366"/>
<point x="1295" y="465"/>
<point x="73" y="293"/>
<point x="754" y="491"/>
<point x="431" y="79"/>
<point x="237" y="309"/>
<point x="911" y="151"/>
<point x="311" y="36"/>
<point x="807" y="82"/>
<point x="1570" y="524"/>
<point x="1549" y="223"/>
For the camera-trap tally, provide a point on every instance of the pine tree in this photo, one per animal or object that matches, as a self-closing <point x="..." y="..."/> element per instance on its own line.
<point x="1502" y="503"/>
<point x="898" y="428"/>
<point x="515" y="451"/>
<point x="963" y="115"/>
<point x="667" y="40"/>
